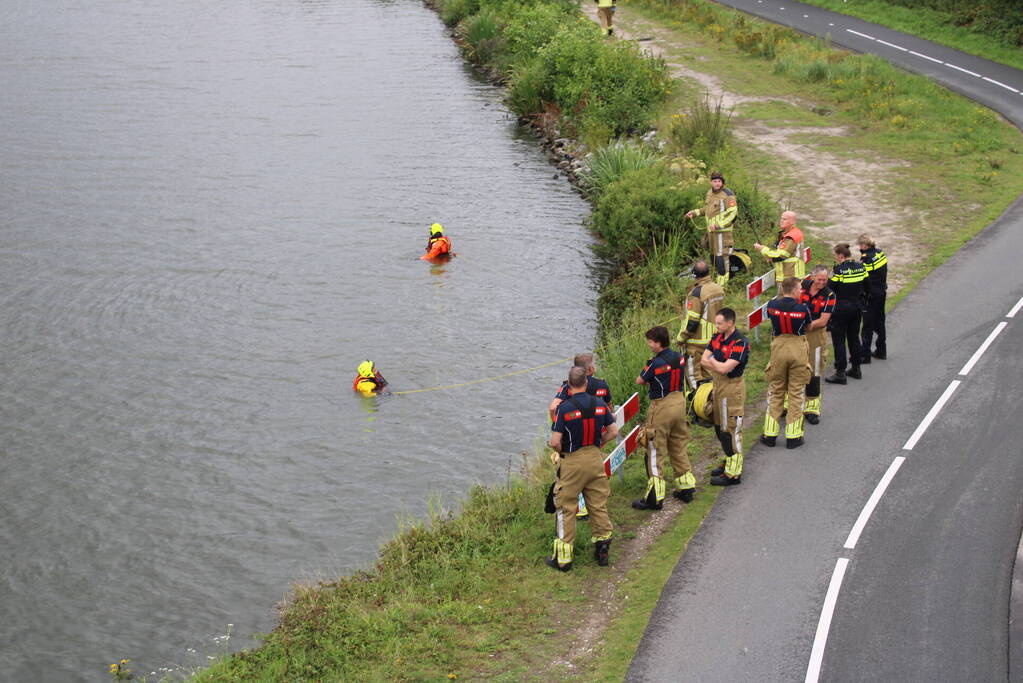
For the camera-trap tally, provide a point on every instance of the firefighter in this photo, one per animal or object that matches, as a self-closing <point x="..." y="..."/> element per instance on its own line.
<point x="438" y="246"/>
<point x="788" y="255"/>
<point x="788" y="371"/>
<point x="720" y="209"/>
<point x="875" y="262"/>
<point x="849" y="281"/>
<point x="583" y="424"/>
<point x="821" y="301"/>
<point x="368" y="379"/>
<point x="667" y="426"/>
<point x="703" y="301"/>
<point x="605" y="13"/>
<point x="725" y="358"/>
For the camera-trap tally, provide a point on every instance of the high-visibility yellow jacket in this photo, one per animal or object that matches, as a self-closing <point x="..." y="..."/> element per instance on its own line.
<point x="703" y="302"/>
<point x="720" y="209"/>
<point x="788" y="255"/>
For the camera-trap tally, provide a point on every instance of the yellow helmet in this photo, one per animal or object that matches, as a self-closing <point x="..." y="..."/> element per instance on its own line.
<point x="702" y="404"/>
<point x="739" y="262"/>
<point x="436" y="228"/>
<point x="365" y="368"/>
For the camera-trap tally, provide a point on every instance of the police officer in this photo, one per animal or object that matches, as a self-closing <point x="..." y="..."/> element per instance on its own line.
<point x="875" y="262"/>
<point x="788" y="255"/>
<point x="821" y="301"/>
<point x="703" y="301"/>
<point x="667" y="426"/>
<point x="582" y="425"/>
<point x="720" y="209"/>
<point x="849" y="281"/>
<point x="725" y="358"/>
<point x="788" y="371"/>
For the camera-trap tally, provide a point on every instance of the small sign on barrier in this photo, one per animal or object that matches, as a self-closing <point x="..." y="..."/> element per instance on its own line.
<point x="756" y="317"/>
<point x="627" y="410"/>
<point x="758" y="286"/>
<point x="622" y="451"/>
<point x="806" y="255"/>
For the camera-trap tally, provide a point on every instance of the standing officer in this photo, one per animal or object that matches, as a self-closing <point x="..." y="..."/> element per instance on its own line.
<point x="875" y="262"/>
<point x="849" y="280"/>
<point x="605" y="13"/>
<point x="703" y="301"/>
<point x="821" y="301"/>
<point x="583" y="424"/>
<point x="788" y="255"/>
<point x="720" y="210"/>
<point x="788" y="371"/>
<point x="667" y="426"/>
<point x="726" y="357"/>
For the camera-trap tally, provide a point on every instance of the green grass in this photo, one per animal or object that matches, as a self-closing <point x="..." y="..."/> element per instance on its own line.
<point x="929" y="24"/>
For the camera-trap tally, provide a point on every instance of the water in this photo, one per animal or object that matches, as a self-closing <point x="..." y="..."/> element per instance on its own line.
<point x="210" y="213"/>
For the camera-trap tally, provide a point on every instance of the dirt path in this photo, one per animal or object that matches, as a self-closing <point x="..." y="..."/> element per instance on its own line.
<point x="836" y="198"/>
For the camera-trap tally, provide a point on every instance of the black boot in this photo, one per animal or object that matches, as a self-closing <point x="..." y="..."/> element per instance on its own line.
<point x="725" y="481"/>
<point x="854" y="372"/>
<point x="718" y="471"/>
<point x="794" y="443"/>
<point x="812" y="418"/>
<point x="685" y="495"/>
<point x="865" y="360"/>
<point x="768" y="441"/>
<point x="837" y="378"/>
<point x="602" y="552"/>
<point x="879" y="354"/>
<point x="553" y="562"/>
<point x="648" y="503"/>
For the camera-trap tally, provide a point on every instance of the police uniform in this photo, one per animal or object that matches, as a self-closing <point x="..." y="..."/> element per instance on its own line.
<point x="580" y="420"/>
<point x="720" y="209"/>
<point x="788" y="255"/>
<point x="666" y="428"/>
<point x="729" y="399"/>
<point x="817" y="341"/>
<point x="875" y="262"/>
<point x="848" y="280"/>
<point x="788" y="371"/>
<point x="703" y="302"/>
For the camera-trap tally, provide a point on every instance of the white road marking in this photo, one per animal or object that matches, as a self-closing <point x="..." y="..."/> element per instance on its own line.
<point x="813" y="669"/>
<point x="929" y="418"/>
<point x="983" y="347"/>
<point x="830" y="24"/>
<point x="936" y="61"/>
<point x="1002" y="85"/>
<point x="897" y="47"/>
<point x="862" y="35"/>
<point x="965" y="71"/>
<point x="1015" y="309"/>
<point x="872" y="502"/>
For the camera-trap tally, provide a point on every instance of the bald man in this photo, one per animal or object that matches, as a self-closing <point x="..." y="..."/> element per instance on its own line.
<point x="788" y="255"/>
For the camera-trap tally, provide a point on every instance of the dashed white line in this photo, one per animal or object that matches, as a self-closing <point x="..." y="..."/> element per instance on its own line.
<point x="999" y="84"/>
<point x="862" y="35"/>
<point x="933" y="413"/>
<point x="897" y="47"/>
<point x="965" y="71"/>
<point x="813" y="669"/>
<point x="936" y="61"/>
<point x="868" y="509"/>
<point x="830" y="24"/>
<point x="1015" y="309"/>
<point x="983" y="347"/>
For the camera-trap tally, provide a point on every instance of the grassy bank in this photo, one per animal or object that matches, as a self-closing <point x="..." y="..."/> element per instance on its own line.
<point x="993" y="30"/>
<point x="465" y="594"/>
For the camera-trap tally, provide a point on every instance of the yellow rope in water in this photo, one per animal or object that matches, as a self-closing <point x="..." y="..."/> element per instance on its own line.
<point x="508" y="374"/>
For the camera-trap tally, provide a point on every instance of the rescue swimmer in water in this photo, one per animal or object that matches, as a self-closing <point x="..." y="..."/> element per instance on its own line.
<point x="368" y="381"/>
<point x="439" y="246"/>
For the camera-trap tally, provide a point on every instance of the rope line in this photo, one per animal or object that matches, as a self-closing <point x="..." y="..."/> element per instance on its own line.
<point x="511" y="374"/>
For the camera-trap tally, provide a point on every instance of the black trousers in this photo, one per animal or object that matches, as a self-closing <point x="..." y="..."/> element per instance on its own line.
<point x="845" y="330"/>
<point x="873" y="324"/>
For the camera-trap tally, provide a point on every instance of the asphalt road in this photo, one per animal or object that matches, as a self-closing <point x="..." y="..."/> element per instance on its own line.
<point x="923" y="592"/>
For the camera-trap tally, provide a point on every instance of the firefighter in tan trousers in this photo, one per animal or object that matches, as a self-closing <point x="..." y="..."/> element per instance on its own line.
<point x="605" y="13"/>
<point x="720" y="209"/>
<point x="583" y="424"/>
<point x="726" y="358"/>
<point x="821" y="301"/>
<point x="788" y="371"/>
<point x="703" y="302"/>
<point x="667" y="425"/>
<point x="788" y="255"/>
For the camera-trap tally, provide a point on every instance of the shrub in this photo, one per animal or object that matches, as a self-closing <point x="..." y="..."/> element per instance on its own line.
<point x="482" y="35"/>
<point x="454" y="11"/>
<point x="611" y="162"/>
<point x="529" y="29"/>
<point x="703" y="131"/>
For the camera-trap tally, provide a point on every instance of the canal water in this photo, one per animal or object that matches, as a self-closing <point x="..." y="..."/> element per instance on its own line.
<point x="210" y="212"/>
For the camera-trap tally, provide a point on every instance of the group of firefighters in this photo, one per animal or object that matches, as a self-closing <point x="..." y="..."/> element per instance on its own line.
<point x="706" y="373"/>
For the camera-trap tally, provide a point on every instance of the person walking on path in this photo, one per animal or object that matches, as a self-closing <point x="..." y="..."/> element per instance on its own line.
<point x="605" y="12"/>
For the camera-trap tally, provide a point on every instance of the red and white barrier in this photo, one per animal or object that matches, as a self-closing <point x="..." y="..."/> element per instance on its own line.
<point x="758" y="286"/>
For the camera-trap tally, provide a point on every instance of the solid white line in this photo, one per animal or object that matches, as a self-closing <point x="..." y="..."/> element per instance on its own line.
<point x="862" y="35"/>
<point x="999" y="84"/>
<point x="929" y="418"/>
<point x="897" y="47"/>
<point x="872" y="502"/>
<point x="983" y="347"/>
<point x="936" y="61"/>
<point x="1015" y="309"/>
<point x="965" y="71"/>
<point x="813" y="669"/>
